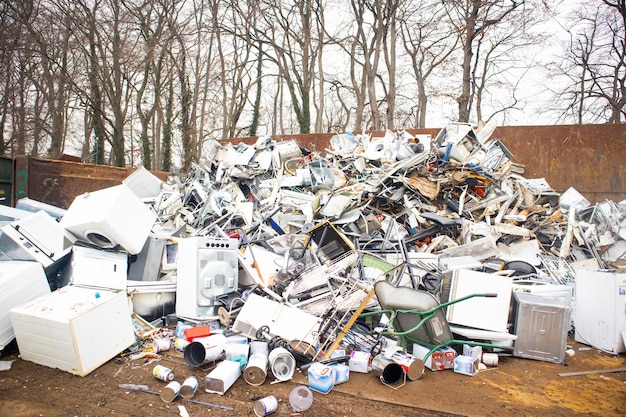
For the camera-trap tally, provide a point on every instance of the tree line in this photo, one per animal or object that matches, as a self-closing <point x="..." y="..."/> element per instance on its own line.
<point x="128" y="82"/>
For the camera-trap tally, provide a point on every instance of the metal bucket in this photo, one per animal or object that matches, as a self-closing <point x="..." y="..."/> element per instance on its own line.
<point x="413" y="367"/>
<point x="391" y="373"/>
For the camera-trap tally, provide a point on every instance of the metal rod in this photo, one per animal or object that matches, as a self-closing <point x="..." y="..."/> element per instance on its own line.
<point x="141" y="388"/>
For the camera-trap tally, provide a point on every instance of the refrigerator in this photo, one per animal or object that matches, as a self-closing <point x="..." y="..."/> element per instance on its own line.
<point x="600" y="310"/>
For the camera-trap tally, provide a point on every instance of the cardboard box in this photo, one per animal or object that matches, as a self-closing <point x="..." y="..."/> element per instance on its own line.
<point x="449" y="355"/>
<point x="467" y="365"/>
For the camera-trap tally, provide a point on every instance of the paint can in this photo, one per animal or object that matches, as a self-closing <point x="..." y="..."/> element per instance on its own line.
<point x="170" y="392"/>
<point x="189" y="387"/>
<point x="391" y="373"/>
<point x="265" y="406"/>
<point x="160" y="345"/>
<point x="181" y="343"/>
<point x="282" y="364"/>
<point x="256" y="369"/>
<point x="163" y="373"/>
<point x="490" y="359"/>
<point x="413" y="367"/>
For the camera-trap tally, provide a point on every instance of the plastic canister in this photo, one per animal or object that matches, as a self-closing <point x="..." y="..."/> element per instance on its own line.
<point x="300" y="398"/>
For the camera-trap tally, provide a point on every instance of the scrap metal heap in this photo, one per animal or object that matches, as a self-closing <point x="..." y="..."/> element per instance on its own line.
<point x="318" y="229"/>
<point x="324" y="252"/>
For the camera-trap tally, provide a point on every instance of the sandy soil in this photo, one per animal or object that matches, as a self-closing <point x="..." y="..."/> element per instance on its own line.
<point x="516" y="387"/>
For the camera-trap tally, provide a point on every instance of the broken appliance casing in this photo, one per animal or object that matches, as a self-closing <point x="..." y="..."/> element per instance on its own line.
<point x="152" y="299"/>
<point x="457" y="141"/>
<point x="109" y="218"/>
<point x="147" y="264"/>
<point x="287" y="322"/>
<point x="37" y="237"/>
<point x="208" y="267"/>
<point x="479" y="312"/>
<point x="541" y="326"/>
<point x="20" y="282"/>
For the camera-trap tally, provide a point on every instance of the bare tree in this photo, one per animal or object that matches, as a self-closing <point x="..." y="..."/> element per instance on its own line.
<point x="151" y="18"/>
<point x="287" y="34"/>
<point x="429" y="43"/>
<point x="473" y="19"/>
<point x="596" y="64"/>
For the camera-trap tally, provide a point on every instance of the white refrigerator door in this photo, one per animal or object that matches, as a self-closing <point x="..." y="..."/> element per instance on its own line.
<point x="600" y="310"/>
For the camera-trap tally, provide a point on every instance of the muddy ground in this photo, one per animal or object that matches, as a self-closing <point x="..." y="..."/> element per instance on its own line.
<point x="516" y="387"/>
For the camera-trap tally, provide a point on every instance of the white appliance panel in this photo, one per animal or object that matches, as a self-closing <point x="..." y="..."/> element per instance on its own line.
<point x="20" y="282"/>
<point x="600" y="310"/>
<point x="91" y="267"/>
<point x="208" y="267"/>
<point x="40" y="238"/>
<point x="480" y="312"/>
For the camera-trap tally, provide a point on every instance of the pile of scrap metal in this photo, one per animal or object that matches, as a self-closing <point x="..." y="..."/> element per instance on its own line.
<point x="283" y="245"/>
<point x="318" y="229"/>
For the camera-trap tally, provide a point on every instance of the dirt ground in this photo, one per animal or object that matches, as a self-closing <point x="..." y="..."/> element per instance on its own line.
<point x="516" y="387"/>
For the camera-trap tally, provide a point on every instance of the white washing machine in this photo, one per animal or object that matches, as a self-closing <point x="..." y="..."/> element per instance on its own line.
<point x="109" y="218"/>
<point x="207" y="268"/>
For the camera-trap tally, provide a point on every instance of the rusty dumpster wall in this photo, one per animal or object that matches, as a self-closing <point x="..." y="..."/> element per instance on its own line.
<point x="589" y="158"/>
<point x="59" y="182"/>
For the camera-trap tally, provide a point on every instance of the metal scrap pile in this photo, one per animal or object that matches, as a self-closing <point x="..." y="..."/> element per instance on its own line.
<point x="318" y="229"/>
<point x="314" y="252"/>
<point x="459" y="193"/>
